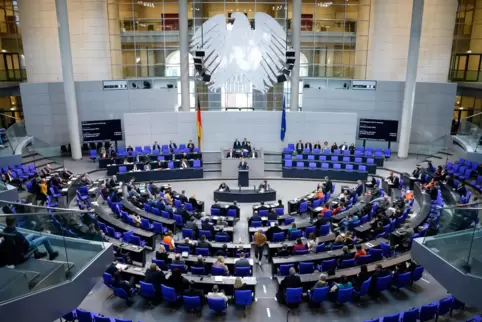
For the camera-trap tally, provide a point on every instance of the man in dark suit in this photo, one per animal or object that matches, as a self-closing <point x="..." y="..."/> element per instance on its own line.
<point x="462" y="191"/>
<point x="182" y="197"/>
<point x="308" y="145"/>
<point x="359" y="188"/>
<point x="153" y="188"/>
<point x="216" y="204"/>
<point x="379" y="272"/>
<point x="255" y="217"/>
<point x="184" y="214"/>
<point x="245" y="144"/>
<point x="393" y="180"/>
<point x="328" y="185"/>
<point x="272" y="215"/>
<point x="237" y="145"/>
<point x="243" y="165"/>
<point x="191" y="224"/>
<point x="343" y="147"/>
<point x="190" y="146"/>
<point x="156" y="277"/>
<point x="290" y="281"/>
<point x="262" y="206"/>
<point x="242" y="261"/>
<point x="284" y="252"/>
<point x="205" y="225"/>
<point x="299" y="147"/>
<point x="317" y="145"/>
<point x="172" y="146"/>
<point x="234" y="206"/>
<point x="273" y="230"/>
<point x="113" y="182"/>
<point x="156" y="146"/>
<point x="230" y="154"/>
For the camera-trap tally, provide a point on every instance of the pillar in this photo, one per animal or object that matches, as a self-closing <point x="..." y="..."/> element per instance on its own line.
<point x="296" y="43"/>
<point x="184" y="54"/>
<point x="40" y="40"/>
<point x="68" y="77"/>
<point x="411" y="77"/>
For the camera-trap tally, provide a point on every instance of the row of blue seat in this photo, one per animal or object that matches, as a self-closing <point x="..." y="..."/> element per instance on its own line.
<point x="325" y="165"/>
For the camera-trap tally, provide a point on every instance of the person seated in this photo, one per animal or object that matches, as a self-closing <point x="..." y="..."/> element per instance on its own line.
<point x="352" y="148"/>
<point x="320" y="221"/>
<point x="339" y="240"/>
<point x="438" y="173"/>
<point x="245" y="144"/>
<point x="430" y="167"/>
<point x="399" y="269"/>
<point x="223" y="252"/>
<point x="359" y="188"/>
<point x="242" y="261"/>
<point x="273" y="230"/>
<point x="193" y="292"/>
<point x="177" y="281"/>
<point x="252" y="153"/>
<point x="290" y="281"/>
<point x="66" y="174"/>
<point x="220" y="263"/>
<point x="272" y="215"/>
<point x="167" y="239"/>
<point x="325" y="146"/>
<point x="321" y="282"/>
<point x="359" y="252"/>
<point x="406" y="232"/>
<point x="127" y="286"/>
<point x="337" y="208"/>
<point x="237" y="145"/>
<point x="190" y="146"/>
<point x="461" y="189"/>
<point x="200" y="263"/>
<point x="221" y="232"/>
<point x="319" y="193"/>
<point x="393" y="180"/>
<point x="223" y="187"/>
<point x="230" y="154"/>
<point x="379" y="272"/>
<point x="349" y="239"/>
<point x="264" y="186"/>
<point x="161" y="254"/>
<point x="376" y="192"/>
<point x="308" y="145"/>
<point x="346" y="255"/>
<point x="326" y="207"/>
<point x="284" y="252"/>
<point x="343" y="283"/>
<point x="317" y="145"/>
<point x="217" y="294"/>
<point x="130" y="149"/>
<point x="172" y="146"/>
<point x="334" y="147"/>
<point x="298" y="245"/>
<point x="8" y="178"/>
<point x="191" y="224"/>
<point x="343" y="146"/>
<point x="29" y="242"/>
<point x="239" y="286"/>
<point x="112" y="268"/>
<point x="203" y="243"/>
<point x="345" y="222"/>
<point x="255" y="217"/>
<point x="293" y="228"/>
<point x="184" y="163"/>
<point x="156" y="277"/>
<point x="299" y="147"/>
<point x="417" y="173"/>
<point x="280" y="204"/>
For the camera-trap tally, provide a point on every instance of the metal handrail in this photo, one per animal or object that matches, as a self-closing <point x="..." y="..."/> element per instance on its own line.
<point x="42" y="207"/>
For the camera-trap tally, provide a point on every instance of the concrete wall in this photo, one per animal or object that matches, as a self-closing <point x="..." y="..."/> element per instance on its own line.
<point x="432" y="114"/>
<point x="220" y="129"/>
<point x="45" y="111"/>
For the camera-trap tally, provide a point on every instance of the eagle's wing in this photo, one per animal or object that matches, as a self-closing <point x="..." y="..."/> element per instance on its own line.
<point x="211" y="37"/>
<point x="270" y="39"/>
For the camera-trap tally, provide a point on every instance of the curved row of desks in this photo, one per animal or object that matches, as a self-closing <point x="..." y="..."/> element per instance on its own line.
<point x="169" y="223"/>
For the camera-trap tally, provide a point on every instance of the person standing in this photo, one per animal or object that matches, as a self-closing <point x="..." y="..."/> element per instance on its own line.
<point x="259" y="241"/>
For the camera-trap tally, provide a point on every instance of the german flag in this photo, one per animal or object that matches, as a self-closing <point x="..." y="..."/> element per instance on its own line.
<point x="199" y="124"/>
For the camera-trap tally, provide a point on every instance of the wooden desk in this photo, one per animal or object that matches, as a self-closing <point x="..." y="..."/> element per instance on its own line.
<point x="309" y="280"/>
<point x="319" y="257"/>
<point x="145" y="235"/>
<point x="169" y="223"/>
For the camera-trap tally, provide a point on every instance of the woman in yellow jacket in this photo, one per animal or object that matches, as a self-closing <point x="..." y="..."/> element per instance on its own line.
<point x="42" y="192"/>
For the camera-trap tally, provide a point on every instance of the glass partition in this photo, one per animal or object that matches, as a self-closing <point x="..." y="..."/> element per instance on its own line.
<point x="469" y="133"/>
<point x="461" y="248"/>
<point x="16" y="134"/>
<point x="432" y="148"/>
<point x="43" y="247"/>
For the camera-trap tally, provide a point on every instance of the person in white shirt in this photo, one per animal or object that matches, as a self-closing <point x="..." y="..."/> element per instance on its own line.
<point x="216" y="294"/>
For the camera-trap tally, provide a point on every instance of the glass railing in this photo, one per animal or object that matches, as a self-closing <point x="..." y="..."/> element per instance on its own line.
<point x="469" y="133"/>
<point x="15" y="135"/>
<point x="461" y="248"/>
<point x="43" y="247"/>
<point x="432" y="148"/>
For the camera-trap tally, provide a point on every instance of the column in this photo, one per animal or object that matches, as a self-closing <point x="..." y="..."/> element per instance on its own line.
<point x="184" y="54"/>
<point x="40" y="40"/>
<point x="68" y="76"/>
<point x="296" y="43"/>
<point x="411" y="78"/>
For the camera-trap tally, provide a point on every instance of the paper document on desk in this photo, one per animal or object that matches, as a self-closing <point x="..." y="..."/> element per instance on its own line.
<point x="121" y="266"/>
<point x="218" y="278"/>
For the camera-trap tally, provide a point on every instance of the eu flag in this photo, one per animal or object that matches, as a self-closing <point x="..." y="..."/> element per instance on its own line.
<point x="283" y="121"/>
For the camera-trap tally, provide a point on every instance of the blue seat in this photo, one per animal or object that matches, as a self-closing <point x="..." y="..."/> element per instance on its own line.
<point x="242" y="271"/>
<point x="347" y="263"/>
<point x="344" y="295"/>
<point x="295" y="234"/>
<point x="256" y="224"/>
<point x="158" y="228"/>
<point x="160" y="263"/>
<point x="306" y="267"/>
<point x="198" y="270"/>
<point x="325" y="230"/>
<point x="417" y="273"/>
<point x="289" y="221"/>
<point x="120" y="292"/>
<point x="243" y="297"/>
<point x="445" y="306"/>
<point x="181" y="267"/>
<point x="294" y="296"/>
<point x="427" y="312"/>
<point x="319" y="294"/>
<point x="284" y="270"/>
<point x="365" y="287"/>
<point x="202" y="251"/>
<point x="107" y="280"/>
<point x="178" y="220"/>
<point x="383" y="283"/>
<point x="217" y="305"/>
<point x="206" y="233"/>
<point x="377" y="254"/>
<point x="136" y="240"/>
<point x="221" y="238"/>
<point x="147" y="290"/>
<point x="278" y="237"/>
<point x="93" y="154"/>
<point x="320" y="248"/>
<point x="328" y="265"/>
<point x="391" y="318"/>
<point x="410" y="315"/>
<point x="301" y="251"/>
<point x="183" y="248"/>
<point x="303" y="207"/>
<point x="83" y="316"/>
<point x="169" y="294"/>
<point x="186" y="232"/>
<point x="403" y="280"/>
<point x="145" y="224"/>
<point x="218" y="271"/>
<point x="192" y="303"/>
<point x="364" y="259"/>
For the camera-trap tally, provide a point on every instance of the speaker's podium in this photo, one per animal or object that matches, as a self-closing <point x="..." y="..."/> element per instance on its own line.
<point x="243" y="178"/>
